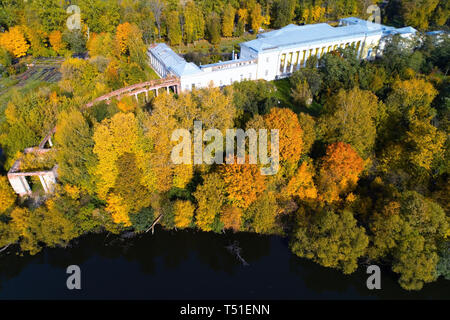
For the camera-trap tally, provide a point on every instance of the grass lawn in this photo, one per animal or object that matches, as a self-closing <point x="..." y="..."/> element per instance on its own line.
<point x="283" y="94"/>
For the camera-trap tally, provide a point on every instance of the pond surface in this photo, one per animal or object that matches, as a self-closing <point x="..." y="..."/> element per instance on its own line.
<point x="190" y="265"/>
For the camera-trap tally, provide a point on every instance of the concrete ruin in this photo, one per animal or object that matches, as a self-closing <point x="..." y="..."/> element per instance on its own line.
<point x="18" y="178"/>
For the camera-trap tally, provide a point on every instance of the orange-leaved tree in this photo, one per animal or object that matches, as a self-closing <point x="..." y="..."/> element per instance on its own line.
<point x="231" y="218"/>
<point x="243" y="183"/>
<point x="56" y="41"/>
<point x="339" y="171"/>
<point x="290" y="133"/>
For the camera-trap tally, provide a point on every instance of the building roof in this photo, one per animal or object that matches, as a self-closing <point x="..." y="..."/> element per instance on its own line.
<point x="293" y="35"/>
<point x="173" y="62"/>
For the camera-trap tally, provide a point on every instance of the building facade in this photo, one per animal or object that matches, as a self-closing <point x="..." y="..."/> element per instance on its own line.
<point x="276" y="54"/>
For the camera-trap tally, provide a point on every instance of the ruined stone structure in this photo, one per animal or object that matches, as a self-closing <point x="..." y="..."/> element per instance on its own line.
<point x="18" y="179"/>
<point x="168" y="83"/>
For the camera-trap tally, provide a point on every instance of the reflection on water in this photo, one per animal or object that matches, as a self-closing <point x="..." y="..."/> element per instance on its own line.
<point x="189" y="265"/>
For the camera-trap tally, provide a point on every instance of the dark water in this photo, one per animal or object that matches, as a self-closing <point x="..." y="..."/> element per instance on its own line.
<point x="189" y="265"/>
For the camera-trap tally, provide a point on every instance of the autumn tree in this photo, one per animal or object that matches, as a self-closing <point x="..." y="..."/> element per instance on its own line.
<point x="339" y="171"/>
<point x="302" y="185"/>
<point x="290" y="133"/>
<point x="122" y="34"/>
<point x="418" y="13"/>
<point x="103" y="44"/>
<point x="194" y="22"/>
<point x="129" y="185"/>
<point x="157" y="7"/>
<point x="42" y="225"/>
<point x="424" y="143"/>
<point x="173" y="28"/>
<point x="228" y="20"/>
<point x="184" y="212"/>
<point x="308" y="125"/>
<point x="242" y="21"/>
<point x="256" y="18"/>
<point x="243" y="183"/>
<point x="411" y="98"/>
<point x="352" y="117"/>
<point x="56" y="41"/>
<point x="28" y="118"/>
<point x="231" y="217"/>
<point x="7" y="195"/>
<point x="122" y="172"/>
<point x="100" y="16"/>
<point x="210" y="197"/>
<point x="261" y="215"/>
<point x="14" y="41"/>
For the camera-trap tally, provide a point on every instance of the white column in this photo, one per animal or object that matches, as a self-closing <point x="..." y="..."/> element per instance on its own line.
<point x="44" y="184"/>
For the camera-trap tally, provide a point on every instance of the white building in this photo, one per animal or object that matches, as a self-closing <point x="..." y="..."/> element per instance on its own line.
<point x="276" y="54"/>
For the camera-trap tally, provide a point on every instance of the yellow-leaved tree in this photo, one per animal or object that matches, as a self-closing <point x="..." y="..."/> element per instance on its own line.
<point x="56" y="41"/>
<point x="124" y="178"/>
<point x="302" y="185"/>
<point x="14" y="41"/>
<point x="290" y="133"/>
<point x="7" y="195"/>
<point x="184" y="212"/>
<point x="243" y="183"/>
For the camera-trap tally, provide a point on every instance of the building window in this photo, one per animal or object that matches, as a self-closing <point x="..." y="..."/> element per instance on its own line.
<point x="242" y="77"/>
<point x="250" y="76"/>
<point x="267" y="59"/>
<point x="267" y="73"/>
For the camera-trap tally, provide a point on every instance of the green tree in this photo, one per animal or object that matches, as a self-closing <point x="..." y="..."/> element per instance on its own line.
<point x="409" y="231"/>
<point x="331" y="239"/>
<point x="261" y="215"/>
<point x="174" y="28"/>
<point x="74" y="144"/>
<point x="213" y="28"/>
<point x="210" y="197"/>
<point x="283" y="12"/>
<point x="352" y="117"/>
